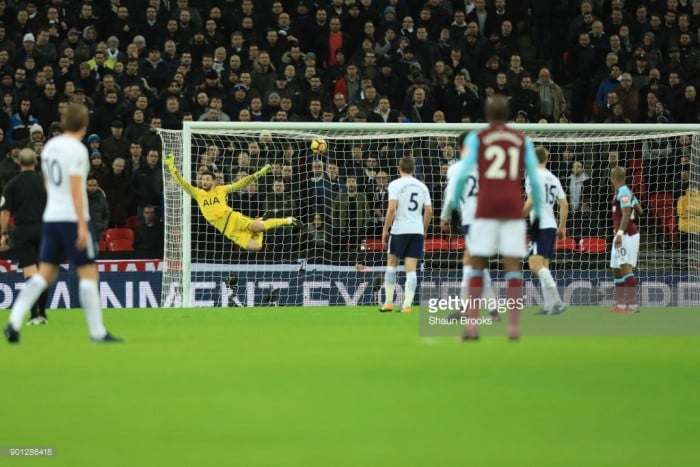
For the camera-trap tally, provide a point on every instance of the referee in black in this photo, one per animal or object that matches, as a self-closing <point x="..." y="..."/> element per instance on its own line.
<point x="24" y="198"/>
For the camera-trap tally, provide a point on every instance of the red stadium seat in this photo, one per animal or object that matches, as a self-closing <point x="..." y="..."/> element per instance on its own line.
<point x="636" y="165"/>
<point x="637" y="181"/>
<point x="457" y="243"/>
<point x="436" y="244"/>
<point x="101" y="245"/>
<point x="132" y="222"/>
<point x="372" y="244"/>
<point x="118" y="234"/>
<point x="593" y="245"/>
<point x="567" y="244"/>
<point x="661" y="207"/>
<point x="120" y="245"/>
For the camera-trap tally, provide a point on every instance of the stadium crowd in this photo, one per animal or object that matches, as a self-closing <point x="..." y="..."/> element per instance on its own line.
<point x="145" y="64"/>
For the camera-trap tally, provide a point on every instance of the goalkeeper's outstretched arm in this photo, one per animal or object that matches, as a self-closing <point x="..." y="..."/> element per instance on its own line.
<point x="169" y="160"/>
<point x="245" y="181"/>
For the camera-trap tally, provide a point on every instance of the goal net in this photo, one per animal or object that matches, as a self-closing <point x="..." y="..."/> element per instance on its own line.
<point x="340" y="195"/>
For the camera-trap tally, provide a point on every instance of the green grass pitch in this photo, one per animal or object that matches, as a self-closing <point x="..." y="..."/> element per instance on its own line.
<point x="343" y="386"/>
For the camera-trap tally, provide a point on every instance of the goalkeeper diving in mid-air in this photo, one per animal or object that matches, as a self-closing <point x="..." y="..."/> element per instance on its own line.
<point x="244" y="231"/>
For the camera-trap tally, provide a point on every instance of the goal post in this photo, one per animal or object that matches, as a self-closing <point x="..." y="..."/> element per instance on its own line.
<point x="337" y="251"/>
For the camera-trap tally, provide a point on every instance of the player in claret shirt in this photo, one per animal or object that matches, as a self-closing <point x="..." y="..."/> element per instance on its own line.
<point x="502" y="156"/>
<point x="625" y="248"/>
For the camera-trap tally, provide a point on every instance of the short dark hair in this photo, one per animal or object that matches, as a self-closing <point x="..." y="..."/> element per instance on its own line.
<point x="208" y="172"/>
<point x="407" y="165"/>
<point x="461" y="137"/>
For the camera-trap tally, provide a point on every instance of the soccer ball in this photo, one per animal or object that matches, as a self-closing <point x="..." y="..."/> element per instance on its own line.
<point x="319" y="146"/>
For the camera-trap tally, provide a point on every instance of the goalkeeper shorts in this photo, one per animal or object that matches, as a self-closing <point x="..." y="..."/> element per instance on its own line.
<point x="238" y="228"/>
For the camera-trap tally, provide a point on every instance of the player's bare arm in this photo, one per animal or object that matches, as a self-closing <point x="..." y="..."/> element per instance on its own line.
<point x="4" y="223"/>
<point x="563" y="217"/>
<point x="427" y="216"/>
<point x="527" y="208"/>
<point x="626" y="215"/>
<point x="388" y="220"/>
<point x="77" y="188"/>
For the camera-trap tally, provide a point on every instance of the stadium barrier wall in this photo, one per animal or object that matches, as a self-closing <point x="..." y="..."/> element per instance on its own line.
<point x="137" y="284"/>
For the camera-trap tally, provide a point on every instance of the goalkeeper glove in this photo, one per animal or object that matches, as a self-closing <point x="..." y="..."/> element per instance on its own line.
<point x="263" y="171"/>
<point x="169" y="159"/>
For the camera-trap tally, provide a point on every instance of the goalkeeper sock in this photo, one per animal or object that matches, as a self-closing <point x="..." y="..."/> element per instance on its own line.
<point x="389" y="284"/>
<point x="464" y="286"/>
<point x="29" y="295"/>
<point x="90" y="301"/>
<point x="274" y="223"/>
<point x="410" y="292"/>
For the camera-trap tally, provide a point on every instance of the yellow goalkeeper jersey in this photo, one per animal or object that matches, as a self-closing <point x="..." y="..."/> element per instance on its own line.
<point x="212" y="203"/>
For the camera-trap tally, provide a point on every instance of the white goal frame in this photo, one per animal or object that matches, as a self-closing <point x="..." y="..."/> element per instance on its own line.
<point x="191" y="127"/>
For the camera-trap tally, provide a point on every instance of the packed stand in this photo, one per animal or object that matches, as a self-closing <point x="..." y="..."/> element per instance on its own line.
<point x="145" y="64"/>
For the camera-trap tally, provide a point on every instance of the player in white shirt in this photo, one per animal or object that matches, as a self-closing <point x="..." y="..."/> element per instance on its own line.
<point x="467" y="207"/>
<point x="408" y="217"/>
<point x="542" y="241"/>
<point x="66" y="234"/>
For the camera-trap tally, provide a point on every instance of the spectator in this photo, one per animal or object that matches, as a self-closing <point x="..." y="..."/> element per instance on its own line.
<point x="481" y="16"/>
<point x="369" y="101"/>
<point x="380" y="200"/>
<point x="582" y="64"/>
<point x="552" y="102"/>
<point x="318" y="238"/>
<point x="97" y="203"/>
<point x="116" y="185"/>
<point x="688" y="108"/>
<point x="47" y="106"/>
<point x="98" y="168"/>
<point x="319" y="190"/>
<point x="460" y="101"/>
<point x="22" y="120"/>
<point x="279" y="203"/>
<point x="149" y="236"/>
<point x="611" y="83"/>
<point x="250" y="201"/>
<point x="525" y="99"/>
<point x="172" y="117"/>
<point x="9" y="166"/>
<point x="148" y="182"/>
<point x="628" y="97"/>
<point x="618" y="115"/>
<point x="419" y="109"/>
<point x="116" y="145"/>
<point x="350" y="215"/>
<point x="580" y="210"/>
<point x="384" y="113"/>
<point x="138" y="127"/>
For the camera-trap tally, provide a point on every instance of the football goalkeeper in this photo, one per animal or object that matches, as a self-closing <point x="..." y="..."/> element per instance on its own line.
<point x="244" y="231"/>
